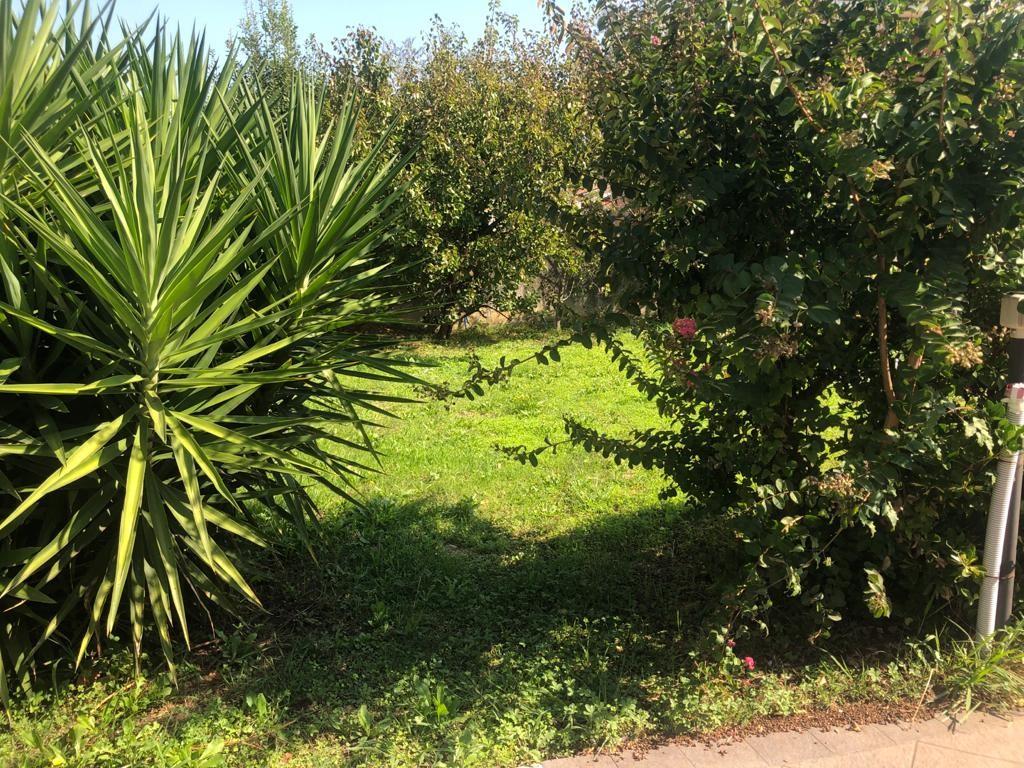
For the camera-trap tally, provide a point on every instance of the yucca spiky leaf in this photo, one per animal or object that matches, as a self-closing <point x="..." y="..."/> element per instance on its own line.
<point x="194" y="323"/>
<point x="56" y="71"/>
<point x="329" y="264"/>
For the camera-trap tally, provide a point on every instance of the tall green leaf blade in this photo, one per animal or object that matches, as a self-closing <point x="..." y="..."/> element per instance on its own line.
<point x="134" y="484"/>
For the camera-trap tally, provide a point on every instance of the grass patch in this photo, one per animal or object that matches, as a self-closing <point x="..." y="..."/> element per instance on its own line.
<point x="474" y="611"/>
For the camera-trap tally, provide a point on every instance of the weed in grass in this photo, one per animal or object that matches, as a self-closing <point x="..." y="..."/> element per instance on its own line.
<point x="967" y="673"/>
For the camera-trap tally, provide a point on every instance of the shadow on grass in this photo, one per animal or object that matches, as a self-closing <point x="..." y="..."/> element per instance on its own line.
<point x="518" y="329"/>
<point x="427" y="579"/>
<point x="437" y="621"/>
<point x="408" y="599"/>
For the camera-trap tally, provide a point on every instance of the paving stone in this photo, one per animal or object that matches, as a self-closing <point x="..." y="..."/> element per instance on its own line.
<point x="982" y="741"/>
<point x="892" y="756"/>
<point x="672" y="756"/>
<point x="736" y="755"/>
<point x="904" y="732"/>
<point x="978" y="721"/>
<point x="931" y="756"/>
<point x="994" y="741"/>
<point x="844" y="741"/>
<point x="581" y="761"/>
<point x="788" y="748"/>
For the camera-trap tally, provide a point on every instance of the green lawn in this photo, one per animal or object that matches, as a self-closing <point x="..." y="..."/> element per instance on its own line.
<point x="473" y="611"/>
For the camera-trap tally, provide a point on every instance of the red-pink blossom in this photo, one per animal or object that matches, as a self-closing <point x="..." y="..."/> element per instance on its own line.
<point x="655" y="40"/>
<point x="731" y="643"/>
<point x="748" y="662"/>
<point x="685" y="327"/>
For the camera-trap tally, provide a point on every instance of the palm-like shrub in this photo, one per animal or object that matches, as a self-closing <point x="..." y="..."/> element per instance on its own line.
<point x="187" y="289"/>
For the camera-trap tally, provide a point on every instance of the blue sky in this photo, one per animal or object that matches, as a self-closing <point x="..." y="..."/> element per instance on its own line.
<point x="396" y="19"/>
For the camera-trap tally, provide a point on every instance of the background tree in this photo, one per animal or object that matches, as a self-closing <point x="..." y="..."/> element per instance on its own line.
<point x="498" y="135"/>
<point x="268" y="39"/>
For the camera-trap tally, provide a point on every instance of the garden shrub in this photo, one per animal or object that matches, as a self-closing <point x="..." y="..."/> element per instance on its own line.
<point x="496" y="127"/>
<point x="187" y="284"/>
<point x="826" y="199"/>
<point x="497" y="132"/>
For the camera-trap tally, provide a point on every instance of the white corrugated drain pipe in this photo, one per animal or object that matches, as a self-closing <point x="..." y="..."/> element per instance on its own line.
<point x="999" y="510"/>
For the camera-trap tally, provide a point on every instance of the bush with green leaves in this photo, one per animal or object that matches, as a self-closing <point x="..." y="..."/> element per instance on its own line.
<point x="497" y="132"/>
<point x="189" y="290"/>
<point x="494" y="140"/>
<point x="828" y="198"/>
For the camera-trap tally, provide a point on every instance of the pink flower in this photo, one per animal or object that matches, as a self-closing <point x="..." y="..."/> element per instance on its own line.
<point x="731" y="643"/>
<point x="655" y="40"/>
<point x="685" y="327"/>
<point x="748" y="662"/>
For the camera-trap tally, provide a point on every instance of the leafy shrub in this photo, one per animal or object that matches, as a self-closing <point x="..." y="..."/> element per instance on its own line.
<point x="187" y="285"/>
<point x="828" y="196"/>
<point x="496" y="129"/>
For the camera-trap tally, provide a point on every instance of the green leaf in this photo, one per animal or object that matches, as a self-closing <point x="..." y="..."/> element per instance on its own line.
<point x="102" y="386"/>
<point x="134" y="483"/>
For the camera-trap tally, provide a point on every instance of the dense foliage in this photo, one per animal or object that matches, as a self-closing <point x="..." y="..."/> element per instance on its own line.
<point x="827" y="198"/>
<point x="497" y="134"/>
<point x="806" y="210"/>
<point x="496" y="131"/>
<point x="187" y="280"/>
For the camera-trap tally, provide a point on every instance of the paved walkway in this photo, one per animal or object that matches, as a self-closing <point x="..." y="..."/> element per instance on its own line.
<point x="983" y="741"/>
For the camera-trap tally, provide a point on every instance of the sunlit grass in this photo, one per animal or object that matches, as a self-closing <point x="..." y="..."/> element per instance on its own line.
<point x="471" y="611"/>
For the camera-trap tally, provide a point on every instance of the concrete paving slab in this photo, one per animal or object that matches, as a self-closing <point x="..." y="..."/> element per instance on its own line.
<point x="891" y="756"/>
<point x="931" y="756"/>
<point x="581" y="761"/>
<point x="788" y="748"/>
<point x="982" y="741"/>
<point x="735" y="755"/>
<point x="993" y="743"/>
<point x="904" y="732"/>
<point x="671" y="756"/>
<point x="844" y="741"/>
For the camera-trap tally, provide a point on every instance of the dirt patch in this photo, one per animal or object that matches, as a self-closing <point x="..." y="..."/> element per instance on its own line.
<point x="850" y="717"/>
<point x="846" y="717"/>
<point x="170" y="713"/>
<point x="185" y="701"/>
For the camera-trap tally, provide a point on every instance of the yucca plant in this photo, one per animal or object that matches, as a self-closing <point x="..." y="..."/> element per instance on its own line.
<point x="56" y="71"/>
<point x="202" y="271"/>
<point x="326" y="213"/>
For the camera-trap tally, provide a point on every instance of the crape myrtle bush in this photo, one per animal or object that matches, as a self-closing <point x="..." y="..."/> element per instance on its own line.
<point x="827" y="196"/>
